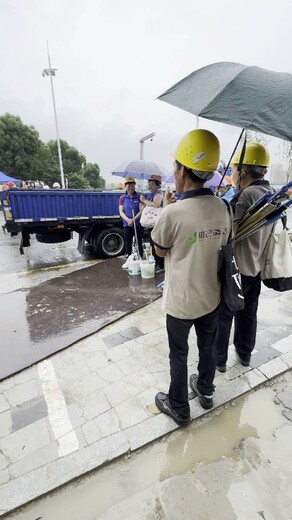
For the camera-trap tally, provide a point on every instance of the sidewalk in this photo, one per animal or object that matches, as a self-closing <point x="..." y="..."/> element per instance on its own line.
<point x="93" y="402"/>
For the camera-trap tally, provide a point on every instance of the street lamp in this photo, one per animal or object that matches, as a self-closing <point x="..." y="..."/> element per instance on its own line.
<point x="52" y="72"/>
<point x="149" y="136"/>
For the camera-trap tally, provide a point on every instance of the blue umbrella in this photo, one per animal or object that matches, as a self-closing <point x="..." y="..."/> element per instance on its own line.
<point x="139" y="169"/>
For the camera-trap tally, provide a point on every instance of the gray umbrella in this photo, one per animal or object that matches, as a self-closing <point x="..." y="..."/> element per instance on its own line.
<point x="139" y="169"/>
<point x="232" y="93"/>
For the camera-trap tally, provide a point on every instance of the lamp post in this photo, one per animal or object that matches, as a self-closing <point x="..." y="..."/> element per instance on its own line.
<point x="149" y="136"/>
<point x="52" y="72"/>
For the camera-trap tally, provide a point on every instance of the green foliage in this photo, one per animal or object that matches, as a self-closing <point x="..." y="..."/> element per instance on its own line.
<point x="77" y="181"/>
<point x="46" y="169"/>
<point x="92" y="173"/>
<point x="24" y="156"/>
<point x="19" y="146"/>
<point x="71" y="158"/>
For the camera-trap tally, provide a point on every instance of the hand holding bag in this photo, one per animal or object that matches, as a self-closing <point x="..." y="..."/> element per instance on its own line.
<point x="229" y="275"/>
<point x="277" y="271"/>
<point x="150" y="216"/>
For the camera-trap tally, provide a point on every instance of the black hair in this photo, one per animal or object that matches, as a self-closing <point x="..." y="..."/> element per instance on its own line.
<point x="158" y="183"/>
<point x="192" y="176"/>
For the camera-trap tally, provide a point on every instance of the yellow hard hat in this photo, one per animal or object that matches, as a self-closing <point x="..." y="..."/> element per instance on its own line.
<point x="255" y="154"/>
<point x="198" y="150"/>
<point x="129" y="179"/>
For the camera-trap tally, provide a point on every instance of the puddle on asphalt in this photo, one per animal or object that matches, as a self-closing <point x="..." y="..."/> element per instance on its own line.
<point x="206" y="441"/>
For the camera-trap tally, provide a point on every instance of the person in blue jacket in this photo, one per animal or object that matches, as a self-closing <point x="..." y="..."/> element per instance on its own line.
<point x="130" y="209"/>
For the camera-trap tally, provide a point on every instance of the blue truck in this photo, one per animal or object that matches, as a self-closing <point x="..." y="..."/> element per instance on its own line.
<point x="53" y="215"/>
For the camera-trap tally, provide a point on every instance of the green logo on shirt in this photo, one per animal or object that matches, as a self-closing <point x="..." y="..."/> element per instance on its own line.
<point x="193" y="239"/>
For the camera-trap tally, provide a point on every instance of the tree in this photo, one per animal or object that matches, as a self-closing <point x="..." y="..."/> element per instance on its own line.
<point x="24" y="156"/>
<point x="71" y="158"/>
<point x="77" y="181"/>
<point x="19" y="146"/>
<point x="47" y="168"/>
<point x="92" y="173"/>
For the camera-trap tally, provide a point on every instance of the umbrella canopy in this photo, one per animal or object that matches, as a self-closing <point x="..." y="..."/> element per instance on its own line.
<point x="5" y="178"/>
<point x="169" y="179"/>
<point x="214" y="181"/>
<point x="232" y="93"/>
<point x="139" y="169"/>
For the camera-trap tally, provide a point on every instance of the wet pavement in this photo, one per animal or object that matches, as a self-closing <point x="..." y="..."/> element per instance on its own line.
<point x="181" y="476"/>
<point x="51" y="297"/>
<point x="94" y="402"/>
<point x="57" y="313"/>
<point x="38" y="257"/>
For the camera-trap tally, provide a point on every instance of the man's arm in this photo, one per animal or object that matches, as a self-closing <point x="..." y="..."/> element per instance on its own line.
<point x="160" y="252"/>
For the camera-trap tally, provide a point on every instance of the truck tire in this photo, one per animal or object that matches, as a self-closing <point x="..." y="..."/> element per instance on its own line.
<point x="109" y="243"/>
<point x="53" y="238"/>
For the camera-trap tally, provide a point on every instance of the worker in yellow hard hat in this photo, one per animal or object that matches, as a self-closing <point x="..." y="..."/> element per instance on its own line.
<point x="249" y="167"/>
<point x="189" y="234"/>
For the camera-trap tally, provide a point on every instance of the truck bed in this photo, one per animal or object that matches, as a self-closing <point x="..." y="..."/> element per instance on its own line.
<point x="58" y="205"/>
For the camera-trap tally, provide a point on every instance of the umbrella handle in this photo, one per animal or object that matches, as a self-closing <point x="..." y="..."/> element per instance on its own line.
<point x="227" y="166"/>
<point x="135" y="232"/>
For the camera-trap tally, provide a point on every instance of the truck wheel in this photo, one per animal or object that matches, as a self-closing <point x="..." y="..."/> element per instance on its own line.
<point x="109" y="242"/>
<point x="53" y="238"/>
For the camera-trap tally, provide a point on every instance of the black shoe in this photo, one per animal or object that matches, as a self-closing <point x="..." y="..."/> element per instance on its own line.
<point x="159" y="270"/>
<point x="221" y="367"/>
<point x="206" y="401"/>
<point x="244" y="361"/>
<point x="163" y="404"/>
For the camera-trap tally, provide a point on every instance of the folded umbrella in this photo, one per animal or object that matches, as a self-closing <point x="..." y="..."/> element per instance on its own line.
<point x="267" y="221"/>
<point x="252" y="221"/>
<point x="262" y="209"/>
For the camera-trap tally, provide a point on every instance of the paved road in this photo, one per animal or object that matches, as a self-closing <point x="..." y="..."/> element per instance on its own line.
<point x="180" y="477"/>
<point x="46" y="306"/>
<point x="52" y="296"/>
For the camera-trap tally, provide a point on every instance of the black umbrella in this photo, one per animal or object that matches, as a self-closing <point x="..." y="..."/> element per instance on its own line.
<point x="249" y="97"/>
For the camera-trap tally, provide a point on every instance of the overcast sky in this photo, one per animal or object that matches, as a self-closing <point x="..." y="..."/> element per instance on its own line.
<point x="114" y="57"/>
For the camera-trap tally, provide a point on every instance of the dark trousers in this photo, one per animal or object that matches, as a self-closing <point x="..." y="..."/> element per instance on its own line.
<point x="178" y="333"/>
<point x="245" y="325"/>
<point x="129" y="233"/>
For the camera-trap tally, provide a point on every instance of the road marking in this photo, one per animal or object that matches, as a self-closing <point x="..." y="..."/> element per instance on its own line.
<point x="63" y="266"/>
<point x="57" y="409"/>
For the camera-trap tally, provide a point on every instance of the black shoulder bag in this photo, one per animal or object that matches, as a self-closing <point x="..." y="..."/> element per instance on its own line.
<point x="229" y="275"/>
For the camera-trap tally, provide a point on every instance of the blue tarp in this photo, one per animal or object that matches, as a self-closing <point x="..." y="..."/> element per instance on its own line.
<point x="5" y="178"/>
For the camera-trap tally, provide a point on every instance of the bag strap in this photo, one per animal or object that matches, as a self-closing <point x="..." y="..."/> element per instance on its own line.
<point x="231" y="234"/>
<point x="284" y="220"/>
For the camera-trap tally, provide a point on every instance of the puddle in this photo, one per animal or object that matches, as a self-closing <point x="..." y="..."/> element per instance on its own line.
<point x="209" y="440"/>
<point x="55" y="314"/>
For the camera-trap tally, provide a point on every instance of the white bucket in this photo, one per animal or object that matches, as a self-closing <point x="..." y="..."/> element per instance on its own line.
<point x="147" y="269"/>
<point x="134" y="267"/>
